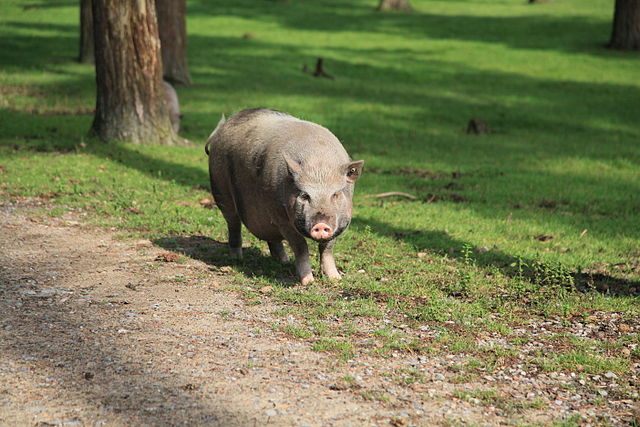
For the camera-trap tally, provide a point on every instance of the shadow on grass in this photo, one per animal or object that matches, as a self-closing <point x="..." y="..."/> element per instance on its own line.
<point x="254" y="263"/>
<point x="537" y="29"/>
<point x="536" y="272"/>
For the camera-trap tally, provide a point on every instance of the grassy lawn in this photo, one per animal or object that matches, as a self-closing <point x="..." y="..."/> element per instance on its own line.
<point x="537" y="220"/>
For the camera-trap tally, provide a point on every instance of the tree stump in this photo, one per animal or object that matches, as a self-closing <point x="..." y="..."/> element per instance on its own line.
<point x="319" y="71"/>
<point x="477" y="127"/>
<point x="394" y="5"/>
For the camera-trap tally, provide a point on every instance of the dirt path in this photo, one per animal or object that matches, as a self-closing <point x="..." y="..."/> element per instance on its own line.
<point x="95" y="331"/>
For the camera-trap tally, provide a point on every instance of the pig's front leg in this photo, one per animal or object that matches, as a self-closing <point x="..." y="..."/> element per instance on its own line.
<point x="301" y="251"/>
<point x="327" y="262"/>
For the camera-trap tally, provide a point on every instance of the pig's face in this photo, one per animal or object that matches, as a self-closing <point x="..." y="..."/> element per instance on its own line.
<point x="320" y="203"/>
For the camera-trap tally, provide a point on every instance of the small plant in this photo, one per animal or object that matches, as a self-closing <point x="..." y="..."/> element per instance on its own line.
<point x="298" y="331"/>
<point x="343" y="349"/>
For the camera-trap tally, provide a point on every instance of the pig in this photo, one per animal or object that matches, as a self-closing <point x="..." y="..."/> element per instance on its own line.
<point x="284" y="179"/>
<point x="171" y="99"/>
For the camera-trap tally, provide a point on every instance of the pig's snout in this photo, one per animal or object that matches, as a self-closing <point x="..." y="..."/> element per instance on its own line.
<point x="321" y="231"/>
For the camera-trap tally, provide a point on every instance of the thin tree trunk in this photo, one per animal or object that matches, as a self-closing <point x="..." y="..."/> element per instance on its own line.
<point x="395" y="5"/>
<point x="130" y="102"/>
<point x="626" y="25"/>
<point x="172" y="25"/>
<point x="86" y="33"/>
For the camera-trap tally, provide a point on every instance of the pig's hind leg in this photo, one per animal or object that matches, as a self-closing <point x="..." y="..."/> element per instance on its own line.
<point x="227" y="206"/>
<point x="234" y="227"/>
<point x="277" y="250"/>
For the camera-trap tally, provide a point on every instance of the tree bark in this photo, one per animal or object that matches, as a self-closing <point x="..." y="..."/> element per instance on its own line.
<point x="394" y="5"/>
<point x="626" y="25"/>
<point x="130" y="103"/>
<point x="86" y="33"/>
<point x="172" y="25"/>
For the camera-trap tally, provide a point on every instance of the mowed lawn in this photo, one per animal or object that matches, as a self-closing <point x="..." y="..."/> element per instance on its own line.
<point x="537" y="219"/>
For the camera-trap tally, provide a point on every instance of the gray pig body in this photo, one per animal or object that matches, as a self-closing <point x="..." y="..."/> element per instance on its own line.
<point x="284" y="179"/>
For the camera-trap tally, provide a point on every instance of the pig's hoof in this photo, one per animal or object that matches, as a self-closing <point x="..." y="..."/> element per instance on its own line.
<point x="235" y="253"/>
<point x="305" y="280"/>
<point x="334" y="276"/>
<point x="331" y="274"/>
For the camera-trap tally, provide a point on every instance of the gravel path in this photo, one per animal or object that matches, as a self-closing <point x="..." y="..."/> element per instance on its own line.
<point x="95" y="331"/>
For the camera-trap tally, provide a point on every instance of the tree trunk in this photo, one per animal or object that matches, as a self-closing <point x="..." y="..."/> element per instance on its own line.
<point x="395" y="5"/>
<point x="626" y="25"/>
<point x="172" y="25"/>
<point x="130" y="103"/>
<point x="86" y="33"/>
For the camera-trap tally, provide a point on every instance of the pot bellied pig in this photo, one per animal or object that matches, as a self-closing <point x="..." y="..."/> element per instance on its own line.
<point x="171" y="99"/>
<point x="283" y="178"/>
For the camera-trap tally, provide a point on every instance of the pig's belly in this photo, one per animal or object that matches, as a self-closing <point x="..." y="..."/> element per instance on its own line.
<point x="261" y="226"/>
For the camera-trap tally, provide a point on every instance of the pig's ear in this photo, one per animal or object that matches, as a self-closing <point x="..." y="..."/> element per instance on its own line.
<point x="353" y="170"/>
<point x="293" y="167"/>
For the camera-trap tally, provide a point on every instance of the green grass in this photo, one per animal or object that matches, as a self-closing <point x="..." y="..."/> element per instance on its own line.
<point x="466" y="258"/>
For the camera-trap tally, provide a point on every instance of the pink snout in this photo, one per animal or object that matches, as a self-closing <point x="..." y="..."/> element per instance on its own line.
<point x="321" y="231"/>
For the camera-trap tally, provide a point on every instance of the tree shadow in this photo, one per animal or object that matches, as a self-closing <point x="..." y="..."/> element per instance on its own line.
<point x="63" y="344"/>
<point x="535" y="271"/>
<point x="537" y="29"/>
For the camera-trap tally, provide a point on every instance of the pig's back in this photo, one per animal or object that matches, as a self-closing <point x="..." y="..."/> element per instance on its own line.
<point x="258" y="139"/>
<point x="248" y="169"/>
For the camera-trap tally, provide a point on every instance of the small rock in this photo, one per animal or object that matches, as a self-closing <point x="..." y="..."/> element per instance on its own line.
<point x="610" y="375"/>
<point x="271" y="412"/>
<point x="266" y="290"/>
<point x="339" y="386"/>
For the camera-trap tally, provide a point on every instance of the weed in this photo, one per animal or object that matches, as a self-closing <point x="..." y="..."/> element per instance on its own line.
<point x="343" y="349"/>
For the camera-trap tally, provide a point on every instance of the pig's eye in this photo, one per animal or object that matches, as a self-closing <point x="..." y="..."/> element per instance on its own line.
<point x="335" y="197"/>
<point x="305" y="197"/>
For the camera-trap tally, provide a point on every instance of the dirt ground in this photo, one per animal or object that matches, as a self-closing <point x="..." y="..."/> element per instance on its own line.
<point x="95" y="331"/>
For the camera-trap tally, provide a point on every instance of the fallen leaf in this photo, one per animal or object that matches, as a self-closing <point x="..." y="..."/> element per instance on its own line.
<point x="207" y="203"/>
<point x="266" y="289"/>
<point x="167" y="257"/>
<point x="544" y="237"/>
<point x="623" y="327"/>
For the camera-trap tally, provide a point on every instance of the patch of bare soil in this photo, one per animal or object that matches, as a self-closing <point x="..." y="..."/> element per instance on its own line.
<point x="100" y="331"/>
